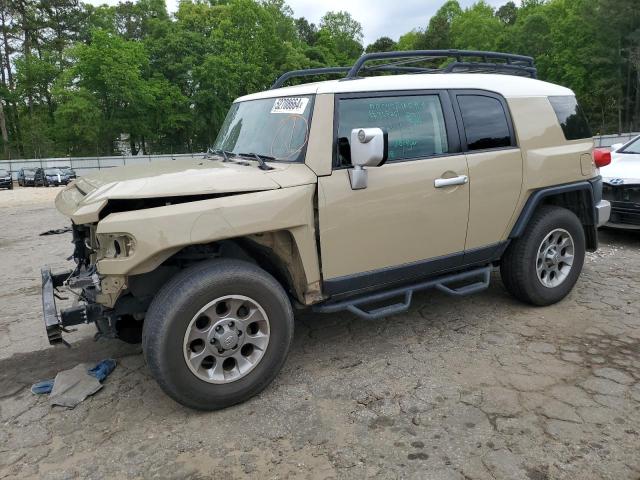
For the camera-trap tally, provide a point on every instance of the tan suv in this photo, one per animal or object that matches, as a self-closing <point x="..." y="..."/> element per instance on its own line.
<point x="349" y="194"/>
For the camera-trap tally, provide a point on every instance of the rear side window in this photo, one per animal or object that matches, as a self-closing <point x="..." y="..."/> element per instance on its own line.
<point x="415" y="125"/>
<point x="485" y="122"/>
<point x="571" y="117"/>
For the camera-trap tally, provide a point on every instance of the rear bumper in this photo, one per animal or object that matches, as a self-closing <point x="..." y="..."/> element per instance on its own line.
<point x="603" y="212"/>
<point x="56" y="323"/>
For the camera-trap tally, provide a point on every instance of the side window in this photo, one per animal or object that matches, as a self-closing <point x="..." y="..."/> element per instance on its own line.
<point x="485" y="122"/>
<point x="415" y="125"/>
<point x="571" y="117"/>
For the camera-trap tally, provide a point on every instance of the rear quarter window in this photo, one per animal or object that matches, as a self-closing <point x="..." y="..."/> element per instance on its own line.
<point x="485" y="122"/>
<point x="571" y="117"/>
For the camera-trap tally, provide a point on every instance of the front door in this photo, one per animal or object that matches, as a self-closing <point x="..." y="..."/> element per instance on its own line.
<point x="405" y="224"/>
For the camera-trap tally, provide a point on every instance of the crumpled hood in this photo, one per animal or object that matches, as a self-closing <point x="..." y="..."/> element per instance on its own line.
<point x="175" y="178"/>
<point x="625" y="166"/>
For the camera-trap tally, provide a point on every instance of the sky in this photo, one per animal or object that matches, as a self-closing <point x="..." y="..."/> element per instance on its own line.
<point x="378" y="17"/>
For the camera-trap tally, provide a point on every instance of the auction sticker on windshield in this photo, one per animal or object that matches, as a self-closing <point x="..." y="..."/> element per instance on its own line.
<point x="290" y="105"/>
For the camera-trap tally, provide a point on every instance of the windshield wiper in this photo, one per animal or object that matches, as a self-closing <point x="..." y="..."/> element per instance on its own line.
<point x="223" y="153"/>
<point x="262" y="165"/>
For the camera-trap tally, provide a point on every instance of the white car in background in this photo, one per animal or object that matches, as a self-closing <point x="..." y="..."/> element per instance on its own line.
<point x="621" y="185"/>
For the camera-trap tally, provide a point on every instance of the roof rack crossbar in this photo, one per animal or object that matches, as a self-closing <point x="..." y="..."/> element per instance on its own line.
<point x="307" y="73"/>
<point x="508" y="63"/>
<point x="522" y="60"/>
<point x="336" y="70"/>
<point x="489" y="67"/>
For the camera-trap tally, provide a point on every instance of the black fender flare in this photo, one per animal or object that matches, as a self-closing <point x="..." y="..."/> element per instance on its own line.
<point x="592" y="188"/>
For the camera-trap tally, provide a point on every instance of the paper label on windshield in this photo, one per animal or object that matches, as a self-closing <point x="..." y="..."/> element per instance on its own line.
<point x="290" y="105"/>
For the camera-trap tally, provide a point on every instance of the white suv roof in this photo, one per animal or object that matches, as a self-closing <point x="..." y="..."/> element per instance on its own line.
<point x="506" y="85"/>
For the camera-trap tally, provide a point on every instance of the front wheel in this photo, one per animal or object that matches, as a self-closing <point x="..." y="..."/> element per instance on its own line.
<point x="542" y="266"/>
<point x="217" y="333"/>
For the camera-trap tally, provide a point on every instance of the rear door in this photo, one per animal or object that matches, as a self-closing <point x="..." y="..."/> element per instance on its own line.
<point x="401" y="226"/>
<point x="495" y="169"/>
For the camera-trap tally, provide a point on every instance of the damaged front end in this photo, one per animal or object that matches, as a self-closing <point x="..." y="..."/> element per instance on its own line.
<point x="78" y="314"/>
<point x="92" y="301"/>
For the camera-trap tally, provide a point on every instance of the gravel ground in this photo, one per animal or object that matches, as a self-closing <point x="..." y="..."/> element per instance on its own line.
<point x="476" y="388"/>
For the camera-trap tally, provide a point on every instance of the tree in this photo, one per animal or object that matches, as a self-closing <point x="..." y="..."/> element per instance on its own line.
<point x="341" y="35"/>
<point x="110" y="70"/>
<point x="438" y="33"/>
<point x="74" y="77"/>
<point x="413" y="40"/>
<point x="508" y="13"/>
<point x="476" y="28"/>
<point x="342" y="24"/>
<point x="383" y="44"/>
<point x="307" y="32"/>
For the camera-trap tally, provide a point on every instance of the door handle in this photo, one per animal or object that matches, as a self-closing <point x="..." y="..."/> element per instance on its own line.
<point x="447" y="182"/>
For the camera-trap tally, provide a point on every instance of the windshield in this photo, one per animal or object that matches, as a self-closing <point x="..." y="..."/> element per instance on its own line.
<point x="4" y="173"/>
<point x="52" y="171"/>
<point x="632" y="147"/>
<point x="29" y="171"/>
<point x="271" y="127"/>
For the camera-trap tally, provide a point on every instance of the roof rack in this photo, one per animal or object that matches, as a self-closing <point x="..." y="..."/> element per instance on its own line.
<point x="463" y="61"/>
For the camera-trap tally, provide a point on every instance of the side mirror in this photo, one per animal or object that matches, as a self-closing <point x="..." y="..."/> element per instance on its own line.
<point x="616" y="146"/>
<point x="369" y="148"/>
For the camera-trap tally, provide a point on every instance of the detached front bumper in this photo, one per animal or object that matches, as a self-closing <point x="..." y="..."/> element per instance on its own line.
<point x="55" y="324"/>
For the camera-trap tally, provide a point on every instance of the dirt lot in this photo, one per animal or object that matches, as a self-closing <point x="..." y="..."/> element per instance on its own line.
<point x="478" y="388"/>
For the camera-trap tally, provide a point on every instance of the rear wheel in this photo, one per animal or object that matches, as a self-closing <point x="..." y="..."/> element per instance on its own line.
<point x="542" y="266"/>
<point x="217" y="333"/>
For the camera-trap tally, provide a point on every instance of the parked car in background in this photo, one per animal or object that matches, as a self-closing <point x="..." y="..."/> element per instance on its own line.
<point x="31" y="177"/>
<point x="56" y="176"/>
<point x="622" y="185"/>
<point x="5" y="179"/>
<point x="70" y="172"/>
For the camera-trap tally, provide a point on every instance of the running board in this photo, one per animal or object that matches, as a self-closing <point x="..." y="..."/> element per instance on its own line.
<point x="356" y="306"/>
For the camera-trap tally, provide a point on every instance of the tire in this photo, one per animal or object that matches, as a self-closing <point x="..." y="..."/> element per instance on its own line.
<point x="533" y="268"/>
<point x="180" y="303"/>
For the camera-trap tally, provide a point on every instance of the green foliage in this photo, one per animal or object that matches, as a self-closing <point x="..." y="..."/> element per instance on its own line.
<point x="383" y="44"/>
<point x="84" y="77"/>
<point x="508" y="13"/>
<point x="476" y="28"/>
<point x="341" y="36"/>
<point x="410" y="41"/>
<point x="438" y="33"/>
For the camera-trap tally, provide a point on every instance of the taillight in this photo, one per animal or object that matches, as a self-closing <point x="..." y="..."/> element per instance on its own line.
<point x="601" y="157"/>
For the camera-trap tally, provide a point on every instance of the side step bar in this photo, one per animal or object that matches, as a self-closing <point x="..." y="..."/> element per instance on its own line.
<point x="356" y="305"/>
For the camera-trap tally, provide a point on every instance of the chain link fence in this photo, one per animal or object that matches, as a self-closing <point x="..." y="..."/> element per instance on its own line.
<point x="86" y="165"/>
<point x="608" y="140"/>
